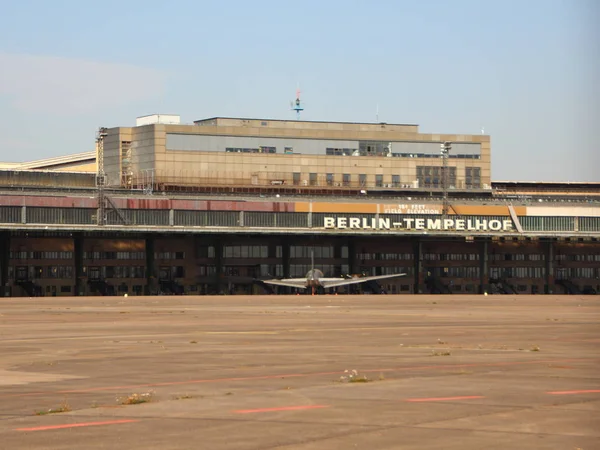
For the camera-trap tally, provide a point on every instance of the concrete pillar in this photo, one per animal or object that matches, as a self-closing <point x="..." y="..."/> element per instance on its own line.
<point x="78" y="261"/>
<point x="23" y="214"/>
<point x="549" y="275"/>
<point x="484" y="278"/>
<point x="219" y="281"/>
<point x="171" y="217"/>
<point x="150" y="269"/>
<point x="4" y="263"/>
<point x="418" y="278"/>
<point x="285" y="253"/>
<point x="352" y="259"/>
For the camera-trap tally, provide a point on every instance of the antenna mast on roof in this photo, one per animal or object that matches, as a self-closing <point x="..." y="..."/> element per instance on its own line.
<point x="297" y="105"/>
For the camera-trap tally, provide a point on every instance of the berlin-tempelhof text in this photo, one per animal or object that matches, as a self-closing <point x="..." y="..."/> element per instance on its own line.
<point x="364" y="223"/>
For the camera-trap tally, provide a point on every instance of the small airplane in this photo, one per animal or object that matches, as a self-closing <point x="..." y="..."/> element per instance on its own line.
<point x="315" y="279"/>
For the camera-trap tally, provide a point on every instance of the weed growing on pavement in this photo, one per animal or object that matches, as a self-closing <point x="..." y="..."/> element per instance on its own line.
<point x="136" y="399"/>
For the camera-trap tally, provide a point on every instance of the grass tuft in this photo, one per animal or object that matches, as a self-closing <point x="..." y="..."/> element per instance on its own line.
<point x="136" y="399"/>
<point x="64" y="407"/>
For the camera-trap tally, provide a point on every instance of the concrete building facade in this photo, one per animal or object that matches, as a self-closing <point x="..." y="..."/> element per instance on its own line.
<point x="260" y="152"/>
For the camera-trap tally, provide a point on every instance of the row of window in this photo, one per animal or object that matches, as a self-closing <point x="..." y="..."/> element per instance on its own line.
<point x="245" y="251"/>
<point x="516" y="272"/>
<point x="578" y="257"/>
<point x="104" y="272"/>
<point x="304" y="251"/>
<point x="169" y="255"/>
<point x="69" y="255"/>
<point x="577" y="272"/>
<point x="24" y="273"/>
<point x="365" y="148"/>
<point x="96" y="255"/>
<point x="40" y="255"/>
<point x="427" y="176"/>
<point x="517" y="257"/>
<point x="454" y="272"/>
<point x="261" y="149"/>
<point x="450" y="256"/>
<point x="384" y="256"/>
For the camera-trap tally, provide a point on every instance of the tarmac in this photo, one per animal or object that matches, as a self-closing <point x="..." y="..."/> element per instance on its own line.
<point x="300" y="372"/>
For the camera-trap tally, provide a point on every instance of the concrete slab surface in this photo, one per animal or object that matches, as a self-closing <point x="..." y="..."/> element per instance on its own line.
<point x="300" y="372"/>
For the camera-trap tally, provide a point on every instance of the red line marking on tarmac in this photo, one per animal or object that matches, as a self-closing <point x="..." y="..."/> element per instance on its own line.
<point x="295" y="375"/>
<point x="283" y="408"/>
<point x="76" y="425"/>
<point x="441" y="399"/>
<point x="588" y="391"/>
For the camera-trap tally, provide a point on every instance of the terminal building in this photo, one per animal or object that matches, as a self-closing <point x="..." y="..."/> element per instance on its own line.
<point x="216" y="206"/>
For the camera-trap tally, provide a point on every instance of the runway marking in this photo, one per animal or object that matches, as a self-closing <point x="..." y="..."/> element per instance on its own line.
<point x="442" y="399"/>
<point x="76" y="425"/>
<point x="241" y="332"/>
<point x="588" y="391"/>
<point x="283" y="408"/>
<point x="294" y="375"/>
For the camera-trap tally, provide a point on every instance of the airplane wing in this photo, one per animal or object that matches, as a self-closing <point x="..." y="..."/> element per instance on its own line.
<point x="299" y="283"/>
<point x="326" y="283"/>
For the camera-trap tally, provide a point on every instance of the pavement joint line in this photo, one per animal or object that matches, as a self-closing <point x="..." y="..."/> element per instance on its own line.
<point x="77" y="425"/>
<point x="584" y="391"/>
<point x="441" y="399"/>
<point x="281" y="408"/>
<point x="296" y="375"/>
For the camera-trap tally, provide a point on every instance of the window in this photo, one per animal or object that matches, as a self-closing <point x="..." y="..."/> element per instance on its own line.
<point x="302" y="251"/>
<point x="329" y="178"/>
<point x="346" y="179"/>
<point x="313" y="179"/>
<point x="340" y="151"/>
<point x="396" y="180"/>
<point x="433" y="176"/>
<point x="261" y="149"/>
<point x="379" y="180"/>
<point x="296" y="178"/>
<point x="473" y="177"/>
<point x="362" y="179"/>
<point x="373" y="148"/>
<point x="288" y="150"/>
<point x="246" y="251"/>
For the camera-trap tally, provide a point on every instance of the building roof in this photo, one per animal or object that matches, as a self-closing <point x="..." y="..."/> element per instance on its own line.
<point x="303" y="121"/>
<point x="53" y="163"/>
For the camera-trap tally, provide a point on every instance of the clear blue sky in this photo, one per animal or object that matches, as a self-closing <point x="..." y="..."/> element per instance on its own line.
<point x="527" y="71"/>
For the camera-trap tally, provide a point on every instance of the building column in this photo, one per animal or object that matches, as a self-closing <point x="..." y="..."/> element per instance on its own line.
<point x="219" y="276"/>
<point x="4" y="263"/>
<point x="418" y="266"/>
<point x="78" y="260"/>
<point x="549" y="275"/>
<point x="150" y="269"/>
<point x="352" y="260"/>
<point x="285" y="257"/>
<point x="484" y="278"/>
